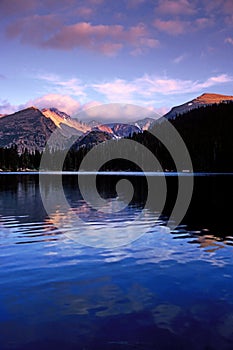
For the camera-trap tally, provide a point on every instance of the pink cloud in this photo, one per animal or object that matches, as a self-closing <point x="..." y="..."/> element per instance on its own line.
<point x="150" y="42"/>
<point x="124" y="112"/>
<point x="227" y="6"/>
<point x="219" y="79"/>
<point x="145" y="44"/>
<point x="178" y="27"/>
<point x="62" y="102"/>
<point x="85" y="35"/>
<point x="81" y="35"/>
<point x="229" y="41"/>
<point x="91" y="104"/>
<point x="16" y="7"/>
<point x="211" y="5"/>
<point x="175" y="7"/>
<point x="33" y="29"/>
<point x="85" y="12"/>
<point x="143" y="89"/>
<point x="203" y="22"/>
<point x="173" y="27"/>
<point x="6" y="107"/>
<point x="117" y="90"/>
<point x="72" y="86"/>
<point x="110" y="49"/>
<point x="48" y="32"/>
<point x="220" y="8"/>
<point x="64" y="8"/>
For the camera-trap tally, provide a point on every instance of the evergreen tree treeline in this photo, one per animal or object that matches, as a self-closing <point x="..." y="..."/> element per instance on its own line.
<point x="11" y="160"/>
<point x="206" y="131"/>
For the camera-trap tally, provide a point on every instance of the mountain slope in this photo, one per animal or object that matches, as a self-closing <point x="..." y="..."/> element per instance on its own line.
<point x="207" y="133"/>
<point x="61" y="119"/>
<point x="200" y="101"/>
<point x="28" y="128"/>
<point x="119" y="129"/>
<point x="145" y="124"/>
<point x="92" y="138"/>
<point x="31" y="128"/>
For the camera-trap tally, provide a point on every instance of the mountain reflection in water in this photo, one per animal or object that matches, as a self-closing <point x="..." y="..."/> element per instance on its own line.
<point x="164" y="290"/>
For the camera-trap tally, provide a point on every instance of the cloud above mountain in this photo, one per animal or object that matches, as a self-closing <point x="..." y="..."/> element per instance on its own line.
<point x="115" y="112"/>
<point x="64" y="103"/>
<point x="72" y="95"/>
<point x="134" y="91"/>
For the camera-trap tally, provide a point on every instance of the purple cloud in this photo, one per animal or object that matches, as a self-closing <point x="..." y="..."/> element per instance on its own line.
<point x="48" y="32"/>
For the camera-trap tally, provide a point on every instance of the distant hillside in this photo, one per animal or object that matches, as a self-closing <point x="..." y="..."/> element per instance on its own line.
<point x="92" y="138"/>
<point x="207" y="132"/>
<point x="31" y="128"/>
<point x="28" y="128"/>
<point x="145" y="124"/>
<point x="201" y="101"/>
<point x="119" y="129"/>
<point x="142" y="124"/>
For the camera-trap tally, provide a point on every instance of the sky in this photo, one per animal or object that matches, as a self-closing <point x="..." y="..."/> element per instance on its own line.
<point x="75" y="54"/>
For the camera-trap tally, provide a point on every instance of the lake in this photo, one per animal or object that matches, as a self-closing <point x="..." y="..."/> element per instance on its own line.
<point x="163" y="289"/>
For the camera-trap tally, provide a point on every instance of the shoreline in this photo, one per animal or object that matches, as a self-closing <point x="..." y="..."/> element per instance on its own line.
<point x="113" y="173"/>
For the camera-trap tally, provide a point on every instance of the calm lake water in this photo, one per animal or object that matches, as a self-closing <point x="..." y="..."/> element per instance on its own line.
<point x="164" y="290"/>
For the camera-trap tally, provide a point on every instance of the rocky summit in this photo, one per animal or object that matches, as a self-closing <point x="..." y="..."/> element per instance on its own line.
<point x="200" y="101"/>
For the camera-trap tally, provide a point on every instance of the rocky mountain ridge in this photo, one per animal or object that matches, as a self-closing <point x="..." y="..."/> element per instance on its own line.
<point x="205" y="99"/>
<point x="31" y="128"/>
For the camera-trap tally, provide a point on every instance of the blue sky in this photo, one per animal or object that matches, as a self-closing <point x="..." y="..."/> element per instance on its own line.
<point x="72" y="54"/>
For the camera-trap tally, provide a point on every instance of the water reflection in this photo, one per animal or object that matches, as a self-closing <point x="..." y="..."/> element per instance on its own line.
<point x="207" y="221"/>
<point x="23" y="220"/>
<point x="166" y="290"/>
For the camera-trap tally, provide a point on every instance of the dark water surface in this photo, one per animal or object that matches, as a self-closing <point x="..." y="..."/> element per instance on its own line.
<point x="165" y="290"/>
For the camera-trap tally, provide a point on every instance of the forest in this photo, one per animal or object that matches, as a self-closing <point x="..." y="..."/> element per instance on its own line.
<point x="206" y="131"/>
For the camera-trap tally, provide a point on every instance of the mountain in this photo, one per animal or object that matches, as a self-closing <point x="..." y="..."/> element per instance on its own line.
<point x="92" y="138"/>
<point x="93" y="124"/>
<point x="142" y="124"/>
<point x="28" y="128"/>
<point x="124" y="130"/>
<point x="119" y="129"/>
<point x="105" y="132"/>
<point x="104" y="127"/>
<point x="61" y="119"/>
<point x="54" y="111"/>
<point x="207" y="134"/>
<point x="201" y="101"/>
<point x="145" y="124"/>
